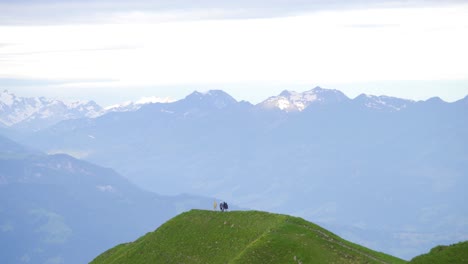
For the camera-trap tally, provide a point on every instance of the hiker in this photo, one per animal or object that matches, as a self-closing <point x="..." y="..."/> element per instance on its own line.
<point x="215" y="205"/>
<point x="223" y="206"/>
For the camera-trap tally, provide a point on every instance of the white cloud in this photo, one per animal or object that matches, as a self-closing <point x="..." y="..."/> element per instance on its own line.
<point x="53" y="228"/>
<point x="321" y="47"/>
<point x="46" y="12"/>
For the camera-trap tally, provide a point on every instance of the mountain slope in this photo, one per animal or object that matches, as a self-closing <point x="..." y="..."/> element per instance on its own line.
<point x="456" y="253"/>
<point x="57" y="209"/>
<point x="240" y="237"/>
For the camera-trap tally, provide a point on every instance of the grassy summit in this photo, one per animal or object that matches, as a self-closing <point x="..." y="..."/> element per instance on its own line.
<point x="240" y="237"/>
<point x="457" y="253"/>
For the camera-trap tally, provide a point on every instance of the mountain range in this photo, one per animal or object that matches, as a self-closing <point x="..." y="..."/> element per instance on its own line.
<point x="36" y="113"/>
<point x="57" y="209"/>
<point x="39" y="112"/>
<point x="355" y="166"/>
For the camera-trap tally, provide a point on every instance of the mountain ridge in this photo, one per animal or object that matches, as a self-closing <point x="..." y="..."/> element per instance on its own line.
<point x="55" y="208"/>
<point x="37" y="113"/>
<point x="240" y="237"/>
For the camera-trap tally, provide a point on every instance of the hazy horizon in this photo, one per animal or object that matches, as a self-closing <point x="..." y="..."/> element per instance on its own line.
<point x="106" y="97"/>
<point x="125" y="50"/>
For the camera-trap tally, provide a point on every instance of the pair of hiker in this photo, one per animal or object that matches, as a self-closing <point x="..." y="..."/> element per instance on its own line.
<point x="222" y="206"/>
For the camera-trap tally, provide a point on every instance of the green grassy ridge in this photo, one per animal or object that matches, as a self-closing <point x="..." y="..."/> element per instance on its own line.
<point x="456" y="253"/>
<point x="240" y="237"/>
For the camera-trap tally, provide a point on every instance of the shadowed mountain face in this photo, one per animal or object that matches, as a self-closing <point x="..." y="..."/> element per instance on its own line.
<point x="56" y="209"/>
<point x="385" y="172"/>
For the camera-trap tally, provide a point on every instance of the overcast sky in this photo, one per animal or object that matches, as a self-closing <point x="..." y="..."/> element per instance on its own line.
<point x="113" y="51"/>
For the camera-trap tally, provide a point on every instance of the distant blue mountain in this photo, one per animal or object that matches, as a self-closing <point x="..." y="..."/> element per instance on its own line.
<point x="57" y="209"/>
<point x="393" y="166"/>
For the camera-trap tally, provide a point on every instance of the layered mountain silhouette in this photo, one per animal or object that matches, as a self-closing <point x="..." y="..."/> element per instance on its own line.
<point x="57" y="209"/>
<point x="356" y="166"/>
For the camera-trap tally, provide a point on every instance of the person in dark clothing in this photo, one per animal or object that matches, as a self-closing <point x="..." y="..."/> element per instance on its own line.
<point x="223" y="206"/>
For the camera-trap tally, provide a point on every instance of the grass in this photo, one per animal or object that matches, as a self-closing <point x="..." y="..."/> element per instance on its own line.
<point x="240" y="237"/>
<point x="456" y="253"/>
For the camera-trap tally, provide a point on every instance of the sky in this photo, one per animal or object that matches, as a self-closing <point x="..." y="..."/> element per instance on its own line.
<point x="115" y="51"/>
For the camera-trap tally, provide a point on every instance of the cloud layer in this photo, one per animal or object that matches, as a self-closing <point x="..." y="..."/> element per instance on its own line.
<point x="47" y="12"/>
<point x="103" y="44"/>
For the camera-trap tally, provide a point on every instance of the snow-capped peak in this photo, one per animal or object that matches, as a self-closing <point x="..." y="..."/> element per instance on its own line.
<point x="133" y="106"/>
<point x="38" y="112"/>
<point x="7" y="98"/>
<point x="153" y="100"/>
<point x="123" y="105"/>
<point x="291" y="101"/>
<point x="383" y="103"/>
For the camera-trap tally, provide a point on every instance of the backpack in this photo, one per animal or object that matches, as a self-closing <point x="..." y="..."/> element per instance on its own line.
<point x="225" y="206"/>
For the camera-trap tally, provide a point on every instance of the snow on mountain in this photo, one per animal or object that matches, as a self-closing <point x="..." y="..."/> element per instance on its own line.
<point x="122" y="107"/>
<point x="133" y="106"/>
<point x="15" y="109"/>
<point x="383" y="103"/>
<point x="6" y="98"/>
<point x="37" y="112"/>
<point x="153" y="100"/>
<point x="291" y="101"/>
